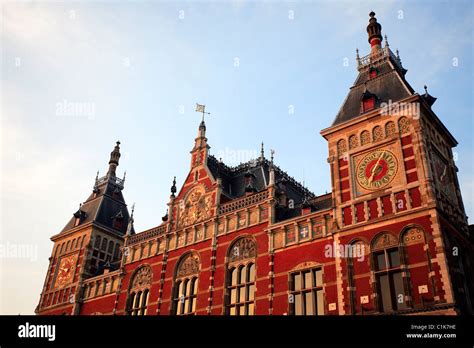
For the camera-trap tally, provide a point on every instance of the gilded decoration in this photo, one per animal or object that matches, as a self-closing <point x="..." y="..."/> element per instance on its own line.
<point x="142" y="278"/>
<point x="243" y="249"/>
<point x="195" y="208"/>
<point x="413" y="235"/>
<point x="189" y="265"/>
<point x="386" y="240"/>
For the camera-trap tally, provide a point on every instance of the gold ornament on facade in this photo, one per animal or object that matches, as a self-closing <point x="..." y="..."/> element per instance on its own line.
<point x="188" y="266"/>
<point x="386" y="240"/>
<point x="243" y="249"/>
<point x="142" y="278"/>
<point x="196" y="208"/>
<point x="413" y="236"/>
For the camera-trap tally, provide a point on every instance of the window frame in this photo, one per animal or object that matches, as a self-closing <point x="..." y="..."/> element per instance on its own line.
<point x="303" y="290"/>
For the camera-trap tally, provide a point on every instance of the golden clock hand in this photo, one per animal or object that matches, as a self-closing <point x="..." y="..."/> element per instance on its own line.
<point x="444" y="173"/>
<point x="374" y="168"/>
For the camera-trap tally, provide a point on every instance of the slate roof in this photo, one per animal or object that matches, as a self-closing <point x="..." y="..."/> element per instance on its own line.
<point x="389" y="84"/>
<point x="233" y="185"/>
<point x="104" y="206"/>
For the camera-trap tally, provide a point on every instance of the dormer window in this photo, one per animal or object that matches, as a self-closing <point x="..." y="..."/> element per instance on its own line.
<point x="79" y="216"/>
<point x="368" y="101"/>
<point x="368" y="104"/>
<point x="118" y="220"/>
<point x="373" y="73"/>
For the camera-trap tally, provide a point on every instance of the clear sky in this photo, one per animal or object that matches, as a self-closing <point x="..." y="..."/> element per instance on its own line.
<point x="268" y="71"/>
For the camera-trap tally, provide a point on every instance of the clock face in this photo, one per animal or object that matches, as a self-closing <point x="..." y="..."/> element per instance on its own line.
<point x="65" y="271"/>
<point x="443" y="176"/>
<point x="377" y="169"/>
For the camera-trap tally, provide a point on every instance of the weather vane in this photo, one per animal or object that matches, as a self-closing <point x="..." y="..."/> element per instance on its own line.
<point x="202" y="108"/>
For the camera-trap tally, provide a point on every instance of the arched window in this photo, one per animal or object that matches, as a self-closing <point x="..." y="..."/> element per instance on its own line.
<point x="186" y="285"/>
<point x="139" y="290"/>
<point x="387" y="269"/>
<point x="364" y="137"/>
<point x="111" y="247"/>
<point x="97" y="242"/>
<point x="241" y="274"/>
<point x="104" y="244"/>
<point x="117" y="251"/>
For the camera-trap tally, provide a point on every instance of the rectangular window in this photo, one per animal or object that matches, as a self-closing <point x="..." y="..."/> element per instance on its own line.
<point x="389" y="279"/>
<point x="306" y="292"/>
<point x="241" y="290"/>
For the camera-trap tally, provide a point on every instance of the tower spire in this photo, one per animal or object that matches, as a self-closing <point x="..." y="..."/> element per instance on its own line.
<point x="374" y="30"/>
<point x="200" y="150"/>
<point x="114" y="160"/>
<point x="96" y="183"/>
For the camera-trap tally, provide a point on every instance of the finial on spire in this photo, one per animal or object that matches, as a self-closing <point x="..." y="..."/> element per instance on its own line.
<point x="429" y="98"/>
<point x="124" y="175"/>
<point x="96" y="183"/>
<point x="114" y="159"/>
<point x="374" y="30"/>
<point x="272" y="152"/>
<point x="262" y="151"/>
<point x="173" y="188"/>
<point x="386" y="41"/>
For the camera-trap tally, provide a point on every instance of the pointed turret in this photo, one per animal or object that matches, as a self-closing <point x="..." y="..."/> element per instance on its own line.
<point x="381" y="78"/>
<point x="114" y="160"/>
<point x="201" y="149"/>
<point x="106" y="204"/>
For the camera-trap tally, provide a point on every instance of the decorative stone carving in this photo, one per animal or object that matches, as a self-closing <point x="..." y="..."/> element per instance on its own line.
<point x="341" y="147"/>
<point x="389" y="129"/>
<point x="304" y="265"/>
<point x="243" y="249"/>
<point x="364" y="138"/>
<point x="353" y="142"/>
<point x="413" y="235"/>
<point x="188" y="266"/>
<point x="142" y="278"/>
<point x="385" y="240"/>
<point x="403" y="125"/>
<point x="377" y="133"/>
<point x="196" y="208"/>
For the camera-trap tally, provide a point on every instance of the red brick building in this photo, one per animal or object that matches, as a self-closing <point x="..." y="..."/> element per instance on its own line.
<point x="391" y="237"/>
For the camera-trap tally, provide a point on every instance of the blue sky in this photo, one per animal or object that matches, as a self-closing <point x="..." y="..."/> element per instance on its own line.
<point x="268" y="71"/>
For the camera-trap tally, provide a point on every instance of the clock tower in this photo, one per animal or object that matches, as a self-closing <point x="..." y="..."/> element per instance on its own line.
<point x="391" y="159"/>
<point x="89" y="245"/>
